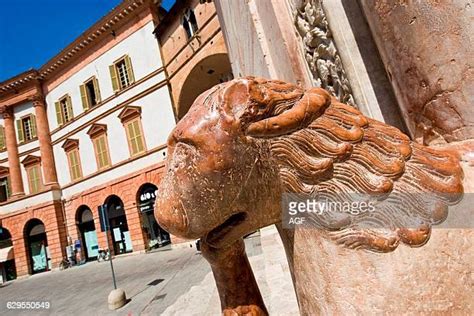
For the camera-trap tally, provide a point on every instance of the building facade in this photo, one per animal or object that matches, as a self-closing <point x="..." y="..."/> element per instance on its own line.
<point x="89" y="128"/>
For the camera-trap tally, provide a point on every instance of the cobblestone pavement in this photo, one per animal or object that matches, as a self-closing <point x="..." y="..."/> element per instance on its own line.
<point x="169" y="282"/>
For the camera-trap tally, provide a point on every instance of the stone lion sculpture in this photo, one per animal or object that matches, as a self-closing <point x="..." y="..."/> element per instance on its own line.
<point x="247" y="142"/>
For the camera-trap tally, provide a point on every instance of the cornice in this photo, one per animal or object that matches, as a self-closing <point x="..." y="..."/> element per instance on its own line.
<point x="30" y="160"/>
<point x="70" y="144"/>
<point x="129" y="112"/>
<point x="4" y="171"/>
<point x="96" y="129"/>
<point x="105" y="25"/>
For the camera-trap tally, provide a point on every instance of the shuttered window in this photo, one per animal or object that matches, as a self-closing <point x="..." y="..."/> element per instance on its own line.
<point x="90" y="93"/>
<point x="34" y="178"/>
<point x="26" y="128"/>
<point x="75" y="169"/>
<point x="121" y="73"/>
<point x="101" y="151"/>
<point x="2" y="138"/>
<point x="64" y="112"/>
<point x="135" y="137"/>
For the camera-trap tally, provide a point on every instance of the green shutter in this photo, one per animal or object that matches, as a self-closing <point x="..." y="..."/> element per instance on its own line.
<point x="128" y="64"/>
<point x="84" y="97"/>
<point x="33" y="125"/>
<point x="9" y="187"/>
<point x="69" y="107"/>
<point x="59" y="116"/>
<point x="114" y="78"/>
<point x="97" y="90"/>
<point x="2" y="137"/>
<point x="21" y="134"/>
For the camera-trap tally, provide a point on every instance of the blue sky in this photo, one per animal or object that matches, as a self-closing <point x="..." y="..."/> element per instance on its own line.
<point x="33" y="31"/>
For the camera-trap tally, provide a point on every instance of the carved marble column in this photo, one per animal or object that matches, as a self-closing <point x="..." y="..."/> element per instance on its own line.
<point x="44" y="138"/>
<point x="12" y="151"/>
<point x="426" y="47"/>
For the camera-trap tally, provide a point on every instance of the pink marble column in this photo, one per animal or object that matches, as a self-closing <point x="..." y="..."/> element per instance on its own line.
<point x="12" y="151"/>
<point x="44" y="138"/>
<point x="426" y="47"/>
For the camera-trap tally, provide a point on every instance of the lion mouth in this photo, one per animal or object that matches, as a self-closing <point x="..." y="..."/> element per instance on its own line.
<point x="220" y="235"/>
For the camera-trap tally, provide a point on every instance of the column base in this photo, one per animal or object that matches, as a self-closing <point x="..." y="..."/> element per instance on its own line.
<point x="17" y="195"/>
<point x="52" y="186"/>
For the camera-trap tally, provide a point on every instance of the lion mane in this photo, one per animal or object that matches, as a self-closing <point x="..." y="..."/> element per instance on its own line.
<point x="327" y="149"/>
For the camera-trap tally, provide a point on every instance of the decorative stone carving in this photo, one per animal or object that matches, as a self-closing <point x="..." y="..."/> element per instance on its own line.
<point x="6" y="112"/>
<point x="244" y="144"/>
<point x="320" y="50"/>
<point x="37" y="100"/>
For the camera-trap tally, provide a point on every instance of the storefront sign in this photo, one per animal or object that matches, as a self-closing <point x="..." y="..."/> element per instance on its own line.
<point x="147" y="199"/>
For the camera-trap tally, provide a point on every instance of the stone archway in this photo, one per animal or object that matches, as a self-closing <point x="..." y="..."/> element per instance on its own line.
<point x="7" y="257"/>
<point x="120" y="234"/>
<point x="155" y="235"/>
<point x="36" y="244"/>
<point x="87" y="232"/>
<point x="208" y="72"/>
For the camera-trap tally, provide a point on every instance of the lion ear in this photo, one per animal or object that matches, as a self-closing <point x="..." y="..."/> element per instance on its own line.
<point x="235" y="95"/>
<point x="304" y="111"/>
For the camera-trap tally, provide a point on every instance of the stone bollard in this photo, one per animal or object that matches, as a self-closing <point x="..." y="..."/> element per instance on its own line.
<point x="117" y="299"/>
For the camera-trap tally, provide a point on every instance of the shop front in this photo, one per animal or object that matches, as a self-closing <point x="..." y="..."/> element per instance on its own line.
<point x="86" y="227"/>
<point x="156" y="236"/>
<point x="122" y="242"/>
<point x="7" y="258"/>
<point x="37" y="246"/>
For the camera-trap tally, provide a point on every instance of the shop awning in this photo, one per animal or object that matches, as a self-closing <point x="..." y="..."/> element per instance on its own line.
<point x="6" y="254"/>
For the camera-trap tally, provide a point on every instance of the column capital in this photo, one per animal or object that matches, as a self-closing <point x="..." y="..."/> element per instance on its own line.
<point x="37" y="99"/>
<point x="6" y="112"/>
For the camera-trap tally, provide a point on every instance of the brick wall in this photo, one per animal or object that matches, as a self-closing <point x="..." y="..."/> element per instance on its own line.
<point x="59" y="218"/>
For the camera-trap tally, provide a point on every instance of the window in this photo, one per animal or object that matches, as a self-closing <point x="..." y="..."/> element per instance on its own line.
<point x="26" y="128"/>
<point x="135" y="137"/>
<point x="71" y="146"/>
<point x="32" y="166"/>
<point x="90" y="93"/>
<point x="34" y="178"/>
<point x="74" y="164"/>
<point x="4" y="189"/>
<point x="64" y="111"/>
<point x="131" y="120"/>
<point x="98" y="134"/>
<point x="3" y="144"/>
<point x="190" y="23"/>
<point x="121" y="73"/>
<point x="101" y="152"/>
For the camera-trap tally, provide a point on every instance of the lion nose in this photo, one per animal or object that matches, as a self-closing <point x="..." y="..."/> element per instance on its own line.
<point x="170" y="215"/>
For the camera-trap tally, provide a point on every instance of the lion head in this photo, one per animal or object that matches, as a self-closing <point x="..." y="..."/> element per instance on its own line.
<point x="245" y="143"/>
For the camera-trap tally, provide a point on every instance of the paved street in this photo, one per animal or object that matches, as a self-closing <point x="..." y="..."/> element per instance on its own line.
<point x="152" y="281"/>
<point x="167" y="282"/>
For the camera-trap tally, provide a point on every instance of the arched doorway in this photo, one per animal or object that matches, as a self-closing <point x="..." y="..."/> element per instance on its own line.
<point x="156" y="236"/>
<point x="7" y="259"/>
<point x="86" y="227"/>
<point x="37" y="246"/>
<point x="207" y="73"/>
<point x="121" y="239"/>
